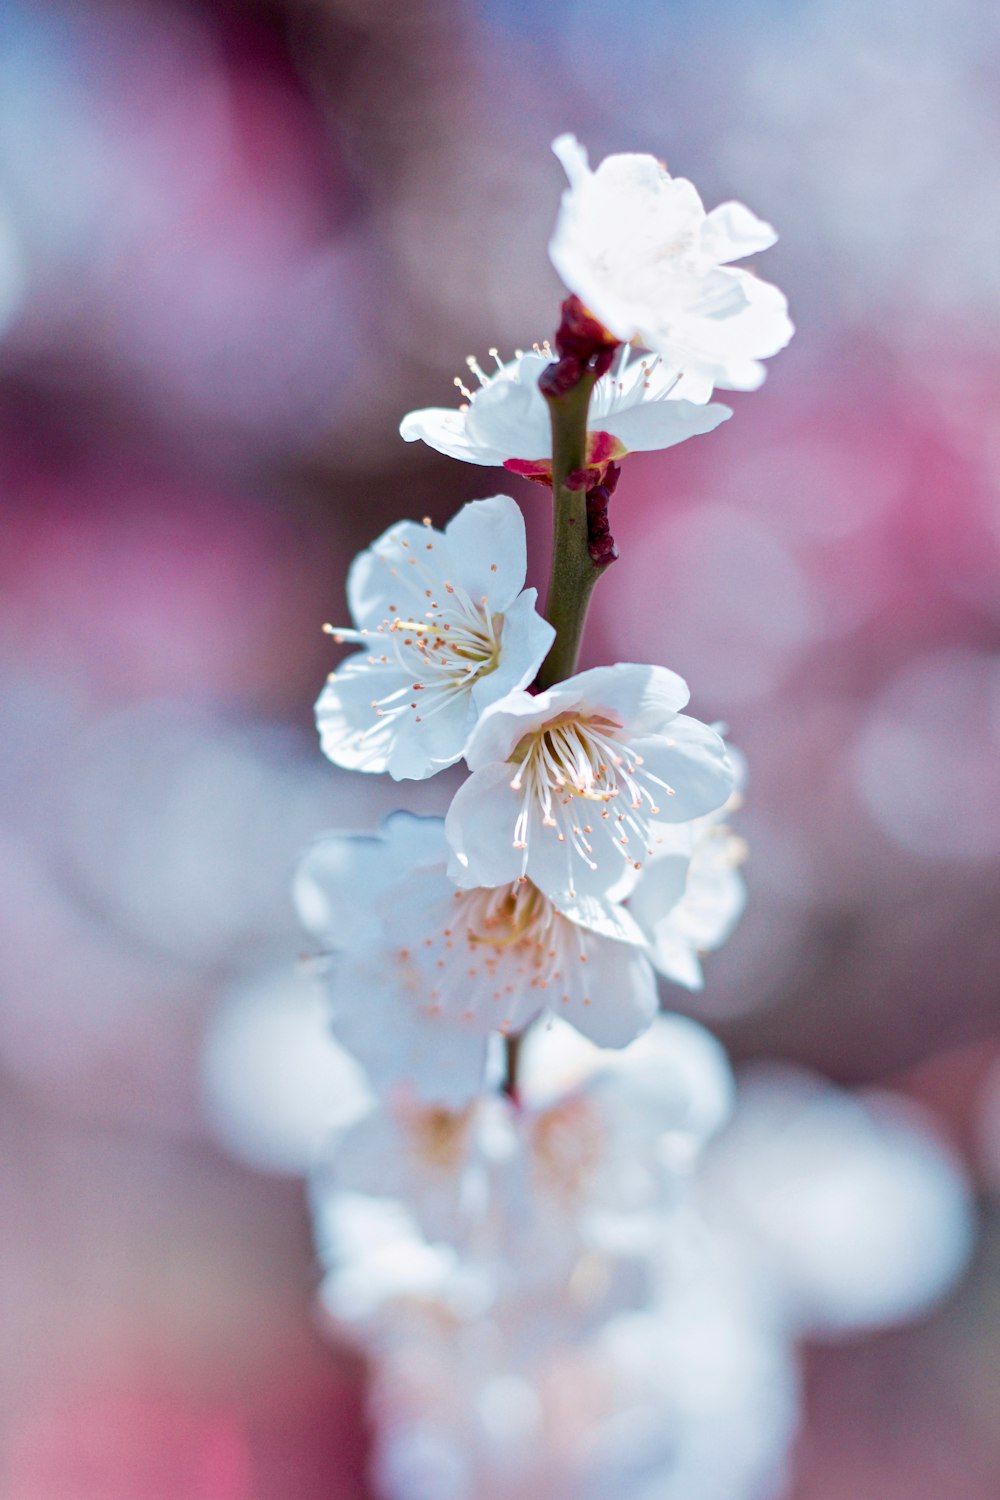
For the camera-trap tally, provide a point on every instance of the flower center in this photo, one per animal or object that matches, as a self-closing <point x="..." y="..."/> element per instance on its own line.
<point x="441" y="638"/>
<point x="438" y="1136"/>
<point x="576" y="773"/>
<point x="487" y="953"/>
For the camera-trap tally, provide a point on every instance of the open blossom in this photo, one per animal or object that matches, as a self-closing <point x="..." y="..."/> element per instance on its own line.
<point x="703" y="859"/>
<point x="425" y="973"/>
<point x="569" y="787"/>
<point x="635" y="407"/>
<point x="446" y="628"/>
<point x="639" y="250"/>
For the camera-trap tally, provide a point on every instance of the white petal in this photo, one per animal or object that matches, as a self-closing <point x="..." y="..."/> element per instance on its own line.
<point x="563" y="875"/>
<point x="410" y="745"/>
<point x="732" y="231"/>
<point x="504" y="724"/>
<point x="659" y="888"/>
<point x="444" y="429"/>
<point x="660" y="424"/>
<point x="389" y="576"/>
<point x="620" y="1000"/>
<point x="350" y="732"/>
<point x="692" y="759"/>
<point x="479" y="828"/>
<point x="713" y="903"/>
<point x="424" y="746"/>
<point x="642" y="698"/>
<point x="397" y="1042"/>
<point x="606" y="918"/>
<point x="573" y="157"/>
<point x="342" y="876"/>
<point x="509" y="415"/>
<point x="487" y="544"/>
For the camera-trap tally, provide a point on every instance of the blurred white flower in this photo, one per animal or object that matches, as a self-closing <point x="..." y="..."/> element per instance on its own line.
<point x="638" y="249"/>
<point x="569" y="785"/>
<point x="522" y="1193"/>
<point x="276" y="1088"/>
<point x="581" y="1334"/>
<point x="850" y="1212"/>
<point x="635" y="407"/>
<point x="425" y="973"/>
<point x="446" y="627"/>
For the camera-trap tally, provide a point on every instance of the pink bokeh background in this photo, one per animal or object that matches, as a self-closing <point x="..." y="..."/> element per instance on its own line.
<point x="237" y="243"/>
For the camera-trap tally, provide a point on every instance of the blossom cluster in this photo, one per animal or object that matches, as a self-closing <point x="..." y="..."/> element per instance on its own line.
<point x="490" y="1240"/>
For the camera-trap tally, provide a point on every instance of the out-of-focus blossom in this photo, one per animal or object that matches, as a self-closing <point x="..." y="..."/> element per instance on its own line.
<point x="568" y="786"/>
<point x="676" y="1059"/>
<point x="853" y="1213"/>
<point x="425" y="973"/>
<point x="276" y="1088"/>
<point x="636" y="246"/>
<point x="446" y="627"/>
<point x="518" y="1351"/>
<point x="636" y="407"/>
<point x="522" y="1192"/>
<point x="374" y="976"/>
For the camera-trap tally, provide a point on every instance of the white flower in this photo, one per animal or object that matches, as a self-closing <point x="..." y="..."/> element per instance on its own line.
<point x="428" y="1157"/>
<point x="635" y="407"/>
<point x="851" y="1212"/>
<point x="690" y="896"/>
<point x="447" y="628"/>
<point x="638" y="249"/>
<point x="426" y="973"/>
<point x="569" y="786"/>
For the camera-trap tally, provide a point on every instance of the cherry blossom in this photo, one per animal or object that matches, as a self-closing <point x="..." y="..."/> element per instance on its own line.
<point x="425" y="972"/>
<point x="570" y="786"/>
<point x="446" y="628"/>
<point x="637" y="247"/>
<point x="635" y="407"/>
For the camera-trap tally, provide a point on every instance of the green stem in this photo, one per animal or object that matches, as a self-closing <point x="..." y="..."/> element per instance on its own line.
<point x="573" y="573"/>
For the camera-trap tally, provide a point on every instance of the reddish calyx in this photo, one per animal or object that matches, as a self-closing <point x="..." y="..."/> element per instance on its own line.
<point x="603" y="452"/>
<point x="584" y="346"/>
<point x="600" y="542"/>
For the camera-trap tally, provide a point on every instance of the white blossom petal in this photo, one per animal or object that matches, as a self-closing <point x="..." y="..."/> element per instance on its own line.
<point x="479" y="828"/>
<point x="445" y="430"/>
<point x="507" y="419"/>
<point x="487" y="540"/>
<point x="621" y="999"/>
<point x="430" y="611"/>
<point x="688" y="898"/>
<point x="568" y="788"/>
<point x="646" y="698"/>
<point x="636" y="246"/>
<point x="427" y="972"/>
<point x="335" y="868"/>
<point x="732" y="231"/>
<point x="660" y="424"/>
<point x="509" y="414"/>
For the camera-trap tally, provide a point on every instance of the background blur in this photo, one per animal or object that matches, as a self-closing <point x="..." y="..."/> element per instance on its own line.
<point x="237" y="243"/>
